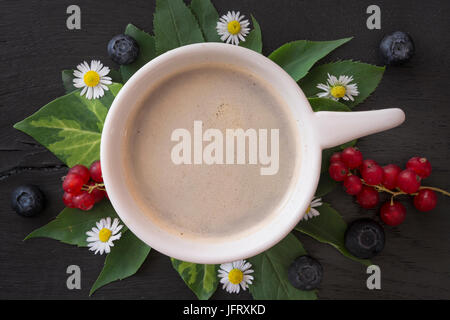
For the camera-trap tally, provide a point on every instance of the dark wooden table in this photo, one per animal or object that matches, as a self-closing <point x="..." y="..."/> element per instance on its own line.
<point x="36" y="45"/>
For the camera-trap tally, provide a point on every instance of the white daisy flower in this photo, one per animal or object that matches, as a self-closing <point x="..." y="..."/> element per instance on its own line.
<point x="311" y="212"/>
<point x="100" y="238"/>
<point x="231" y="28"/>
<point x="338" y="88"/>
<point x="235" y="275"/>
<point x="92" y="79"/>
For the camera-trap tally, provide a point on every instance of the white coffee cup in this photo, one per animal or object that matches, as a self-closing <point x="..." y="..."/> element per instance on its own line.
<point x="317" y="131"/>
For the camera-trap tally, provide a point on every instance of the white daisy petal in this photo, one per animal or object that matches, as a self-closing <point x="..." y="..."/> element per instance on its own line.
<point x="323" y="87"/>
<point x="90" y="93"/>
<point x="226" y="266"/>
<point x="105" y="81"/>
<point x="91" y="233"/>
<point x="95" y="91"/>
<point x="222" y="27"/>
<point x="78" y="74"/>
<point x="82" y="67"/>
<point x="108" y="223"/>
<point x="115" y="224"/>
<point x="116" y="237"/>
<point x="117" y="229"/>
<point x="314" y="212"/>
<point x="86" y="65"/>
<point x="349" y="91"/>
<point x="94" y="243"/>
<point x="83" y="91"/>
<point x="322" y="94"/>
<point x="311" y="212"/>
<point x="244" y="270"/>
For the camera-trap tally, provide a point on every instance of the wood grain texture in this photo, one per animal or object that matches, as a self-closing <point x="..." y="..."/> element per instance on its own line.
<point x="36" y="46"/>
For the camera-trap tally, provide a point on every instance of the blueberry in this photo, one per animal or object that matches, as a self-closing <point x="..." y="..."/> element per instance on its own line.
<point x="305" y="273"/>
<point x="396" y="48"/>
<point x="364" y="238"/>
<point x="123" y="49"/>
<point x="27" y="200"/>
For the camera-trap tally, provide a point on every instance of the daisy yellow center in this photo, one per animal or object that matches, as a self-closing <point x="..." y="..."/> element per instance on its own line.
<point x="104" y="235"/>
<point x="309" y="209"/>
<point x="235" y="276"/>
<point x="234" y="27"/>
<point x="338" y="91"/>
<point x="91" y="78"/>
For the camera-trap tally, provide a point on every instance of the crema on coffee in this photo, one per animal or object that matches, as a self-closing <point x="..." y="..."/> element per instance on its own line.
<point x="195" y="197"/>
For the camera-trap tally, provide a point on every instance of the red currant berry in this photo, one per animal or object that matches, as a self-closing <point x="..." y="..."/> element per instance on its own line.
<point x="336" y="157"/>
<point x="96" y="171"/>
<point x="368" y="197"/>
<point x="390" y="174"/>
<point x="421" y="166"/>
<point x="366" y="163"/>
<point x="352" y="157"/>
<point x="425" y="200"/>
<point x="84" y="201"/>
<point x="408" y="181"/>
<point x="372" y="174"/>
<point x="82" y="171"/>
<point x="392" y="214"/>
<point x="338" y="171"/>
<point x="97" y="193"/>
<point x="73" y="183"/>
<point x="352" y="185"/>
<point x="68" y="200"/>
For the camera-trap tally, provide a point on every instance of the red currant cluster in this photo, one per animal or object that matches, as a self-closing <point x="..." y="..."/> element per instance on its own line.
<point x="366" y="178"/>
<point x="83" y="187"/>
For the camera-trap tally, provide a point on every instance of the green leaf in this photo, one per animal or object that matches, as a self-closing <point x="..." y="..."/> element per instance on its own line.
<point x="70" y="126"/>
<point x="71" y="225"/>
<point x="207" y="18"/>
<point x="322" y="104"/>
<point x="271" y="269"/>
<point x="174" y="25"/>
<point x="67" y="79"/>
<point x="124" y="260"/>
<point x="329" y="227"/>
<point x="147" y="51"/>
<point x="200" y="278"/>
<point x="366" y="76"/>
<point x="297" y="57"/>
<point x="326" y="184"/>
<point x="254" y="38"/>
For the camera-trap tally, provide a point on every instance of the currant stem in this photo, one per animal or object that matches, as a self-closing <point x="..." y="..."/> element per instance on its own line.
<point x="383" y="189"/>
<point x="398" y="193"/>
<point x="436" y="189"/>
<point x="89" y="189"/>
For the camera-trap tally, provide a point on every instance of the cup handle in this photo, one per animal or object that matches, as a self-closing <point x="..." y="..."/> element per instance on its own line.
<point x="336" y="128"/>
